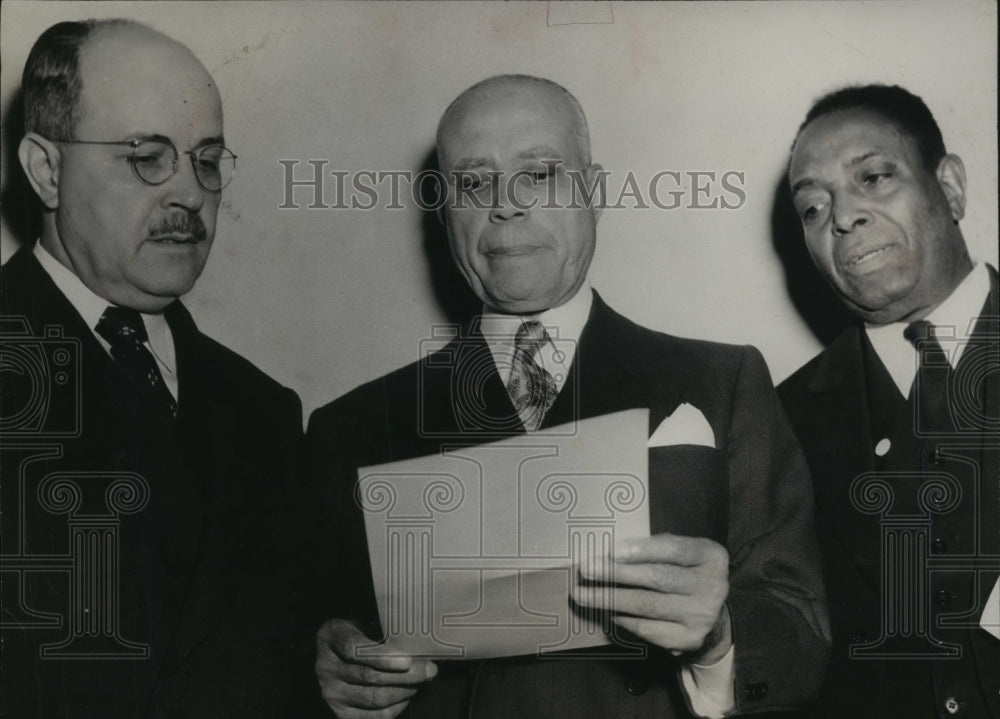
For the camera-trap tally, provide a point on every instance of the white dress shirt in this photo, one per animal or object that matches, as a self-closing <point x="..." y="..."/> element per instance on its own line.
<point x="953" y="320"/>
<point x="91" y="307"/>
<point x="709" y="687"/>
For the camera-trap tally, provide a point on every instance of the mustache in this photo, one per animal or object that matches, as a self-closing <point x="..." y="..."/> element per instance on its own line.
<point x="185" y="223"/>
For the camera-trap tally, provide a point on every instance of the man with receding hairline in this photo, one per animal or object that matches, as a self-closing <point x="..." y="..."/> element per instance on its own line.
<point x="141" y="507"/>
<point x="724" y="598"/>
<point x="899" y="415"/>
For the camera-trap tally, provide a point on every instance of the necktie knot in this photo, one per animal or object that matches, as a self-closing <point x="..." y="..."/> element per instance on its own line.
<point x="530" y="337"/>
<point x="122" y="325"/>
<point x="931" y="389"/>
<point x="918" y="331"/>
<point x="125" y="331"/>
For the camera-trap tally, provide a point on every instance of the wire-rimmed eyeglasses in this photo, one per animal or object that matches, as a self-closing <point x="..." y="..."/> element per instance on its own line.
<point x="154" y="161"/>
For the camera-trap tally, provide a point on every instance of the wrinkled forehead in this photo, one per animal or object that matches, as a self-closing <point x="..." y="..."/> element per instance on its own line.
<point x="840" y="138"/>
<point x="508" y="118"/>
<point x="136" y="80"/>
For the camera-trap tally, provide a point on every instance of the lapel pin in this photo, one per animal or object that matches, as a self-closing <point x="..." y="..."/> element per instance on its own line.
<point x="883" y="447"/>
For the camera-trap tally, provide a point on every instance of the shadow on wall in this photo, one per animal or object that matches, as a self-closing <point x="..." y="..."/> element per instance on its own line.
<point x="21" y="208"/>
<point x="451" y="292"/>
<point x="817" y="304"/>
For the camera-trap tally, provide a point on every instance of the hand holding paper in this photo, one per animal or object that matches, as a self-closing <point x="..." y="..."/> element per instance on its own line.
<point x="364" y="686"/>
<point x="669" y="590"/>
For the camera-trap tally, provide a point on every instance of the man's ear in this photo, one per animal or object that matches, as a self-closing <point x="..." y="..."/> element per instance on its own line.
<point x="40" y="159"/>
<point x="595" y="173"/>
<point x="951" y="178"/>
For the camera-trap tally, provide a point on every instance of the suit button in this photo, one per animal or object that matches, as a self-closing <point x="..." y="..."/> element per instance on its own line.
<point x="951" y="705"/>
<point x="943" y="598"/>
<point x="636" y="687"/>
<point x="939" y="546"/>
<point x="756" y="691"/>
<point x="935" y="455"/>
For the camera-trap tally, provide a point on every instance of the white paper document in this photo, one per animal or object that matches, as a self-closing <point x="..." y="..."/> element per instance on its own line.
<point x="473" y="551"/>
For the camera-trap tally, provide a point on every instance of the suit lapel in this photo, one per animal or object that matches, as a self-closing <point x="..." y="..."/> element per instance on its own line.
<point x="839" y="430"/>
<point x="603" y="378"/>
<point x="199" y="403"/>
<point x="986" y="341"/>
<point x="56" y="311"/>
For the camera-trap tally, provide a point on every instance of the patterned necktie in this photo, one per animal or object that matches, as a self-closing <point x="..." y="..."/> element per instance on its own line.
<point x="531" y="387"/>
<point x="930" y="392"/>
<point x="125" y="332"/>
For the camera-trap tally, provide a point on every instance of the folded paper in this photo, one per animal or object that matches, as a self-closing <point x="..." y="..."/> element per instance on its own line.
<point x="474" y="550"/>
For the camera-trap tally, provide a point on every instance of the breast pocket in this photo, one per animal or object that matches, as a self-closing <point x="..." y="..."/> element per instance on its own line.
<point x="689" y="491"/>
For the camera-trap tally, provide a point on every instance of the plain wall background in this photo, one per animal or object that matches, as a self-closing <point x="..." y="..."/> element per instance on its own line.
<point x="326" y="299"/>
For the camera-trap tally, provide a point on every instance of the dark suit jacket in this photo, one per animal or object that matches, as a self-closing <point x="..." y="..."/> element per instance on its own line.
<point x="196" y="585"/>
<point x="751" y="493"/>
<point x="829" y="404"/>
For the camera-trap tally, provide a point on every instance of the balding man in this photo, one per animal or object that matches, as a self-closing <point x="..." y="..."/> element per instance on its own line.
<point x="725" y="596"/>
<point x="138" y="500"/>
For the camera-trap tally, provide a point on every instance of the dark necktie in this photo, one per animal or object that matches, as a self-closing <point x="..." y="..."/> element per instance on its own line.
<point x="125" y="332"/>
<point x="930" y="392"/>
<point x="532" y="389"/>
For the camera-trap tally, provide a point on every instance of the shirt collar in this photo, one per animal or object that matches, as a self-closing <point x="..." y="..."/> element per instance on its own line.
<point x="954" y="319"/>
<point x="564" y="322"/>
<point x="91" y="307"/>
<point x="564" y="325"/>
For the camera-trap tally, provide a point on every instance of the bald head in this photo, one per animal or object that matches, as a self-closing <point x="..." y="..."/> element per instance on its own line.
<point x="500" y="89"/>
<point x="53" y="79"/>
<point x="139" y="63"/>
<point x="109" y="104"/>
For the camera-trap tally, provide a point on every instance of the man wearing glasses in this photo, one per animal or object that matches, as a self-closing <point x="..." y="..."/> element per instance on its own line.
<point x="141" y="502"/>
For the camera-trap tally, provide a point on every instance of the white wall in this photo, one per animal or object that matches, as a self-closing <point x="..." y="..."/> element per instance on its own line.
<point x="326" y="299"/>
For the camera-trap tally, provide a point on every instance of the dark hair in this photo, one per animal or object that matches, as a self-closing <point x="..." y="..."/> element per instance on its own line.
<point x="894" y="104"/>
<point x="51" y="83"/>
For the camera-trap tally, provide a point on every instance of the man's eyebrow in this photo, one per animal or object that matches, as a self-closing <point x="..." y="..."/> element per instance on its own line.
<point x="861" y="158"/>
<point x="806" y="182"/>
<point x="156" y="137"/>
<point x="802" y="184"/>
<point x="468" y="163"/>
<point x="540" y="151"/>
<point x="209" y="141"/>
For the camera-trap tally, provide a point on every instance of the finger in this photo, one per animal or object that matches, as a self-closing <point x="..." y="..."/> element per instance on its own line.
<point x="374" y="698"/>
<point x="672" y="549"/>
<point x="661" y="577"/>
<point x="669" y="635"/>
<point x="363" y="675"/>
<point x="352" y="646"/>
<point x="666" y="579"/>
<point x="639" y="603"/>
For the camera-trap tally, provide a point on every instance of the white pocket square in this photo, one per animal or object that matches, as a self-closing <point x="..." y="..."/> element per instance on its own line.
<point x="687" y="425"/>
